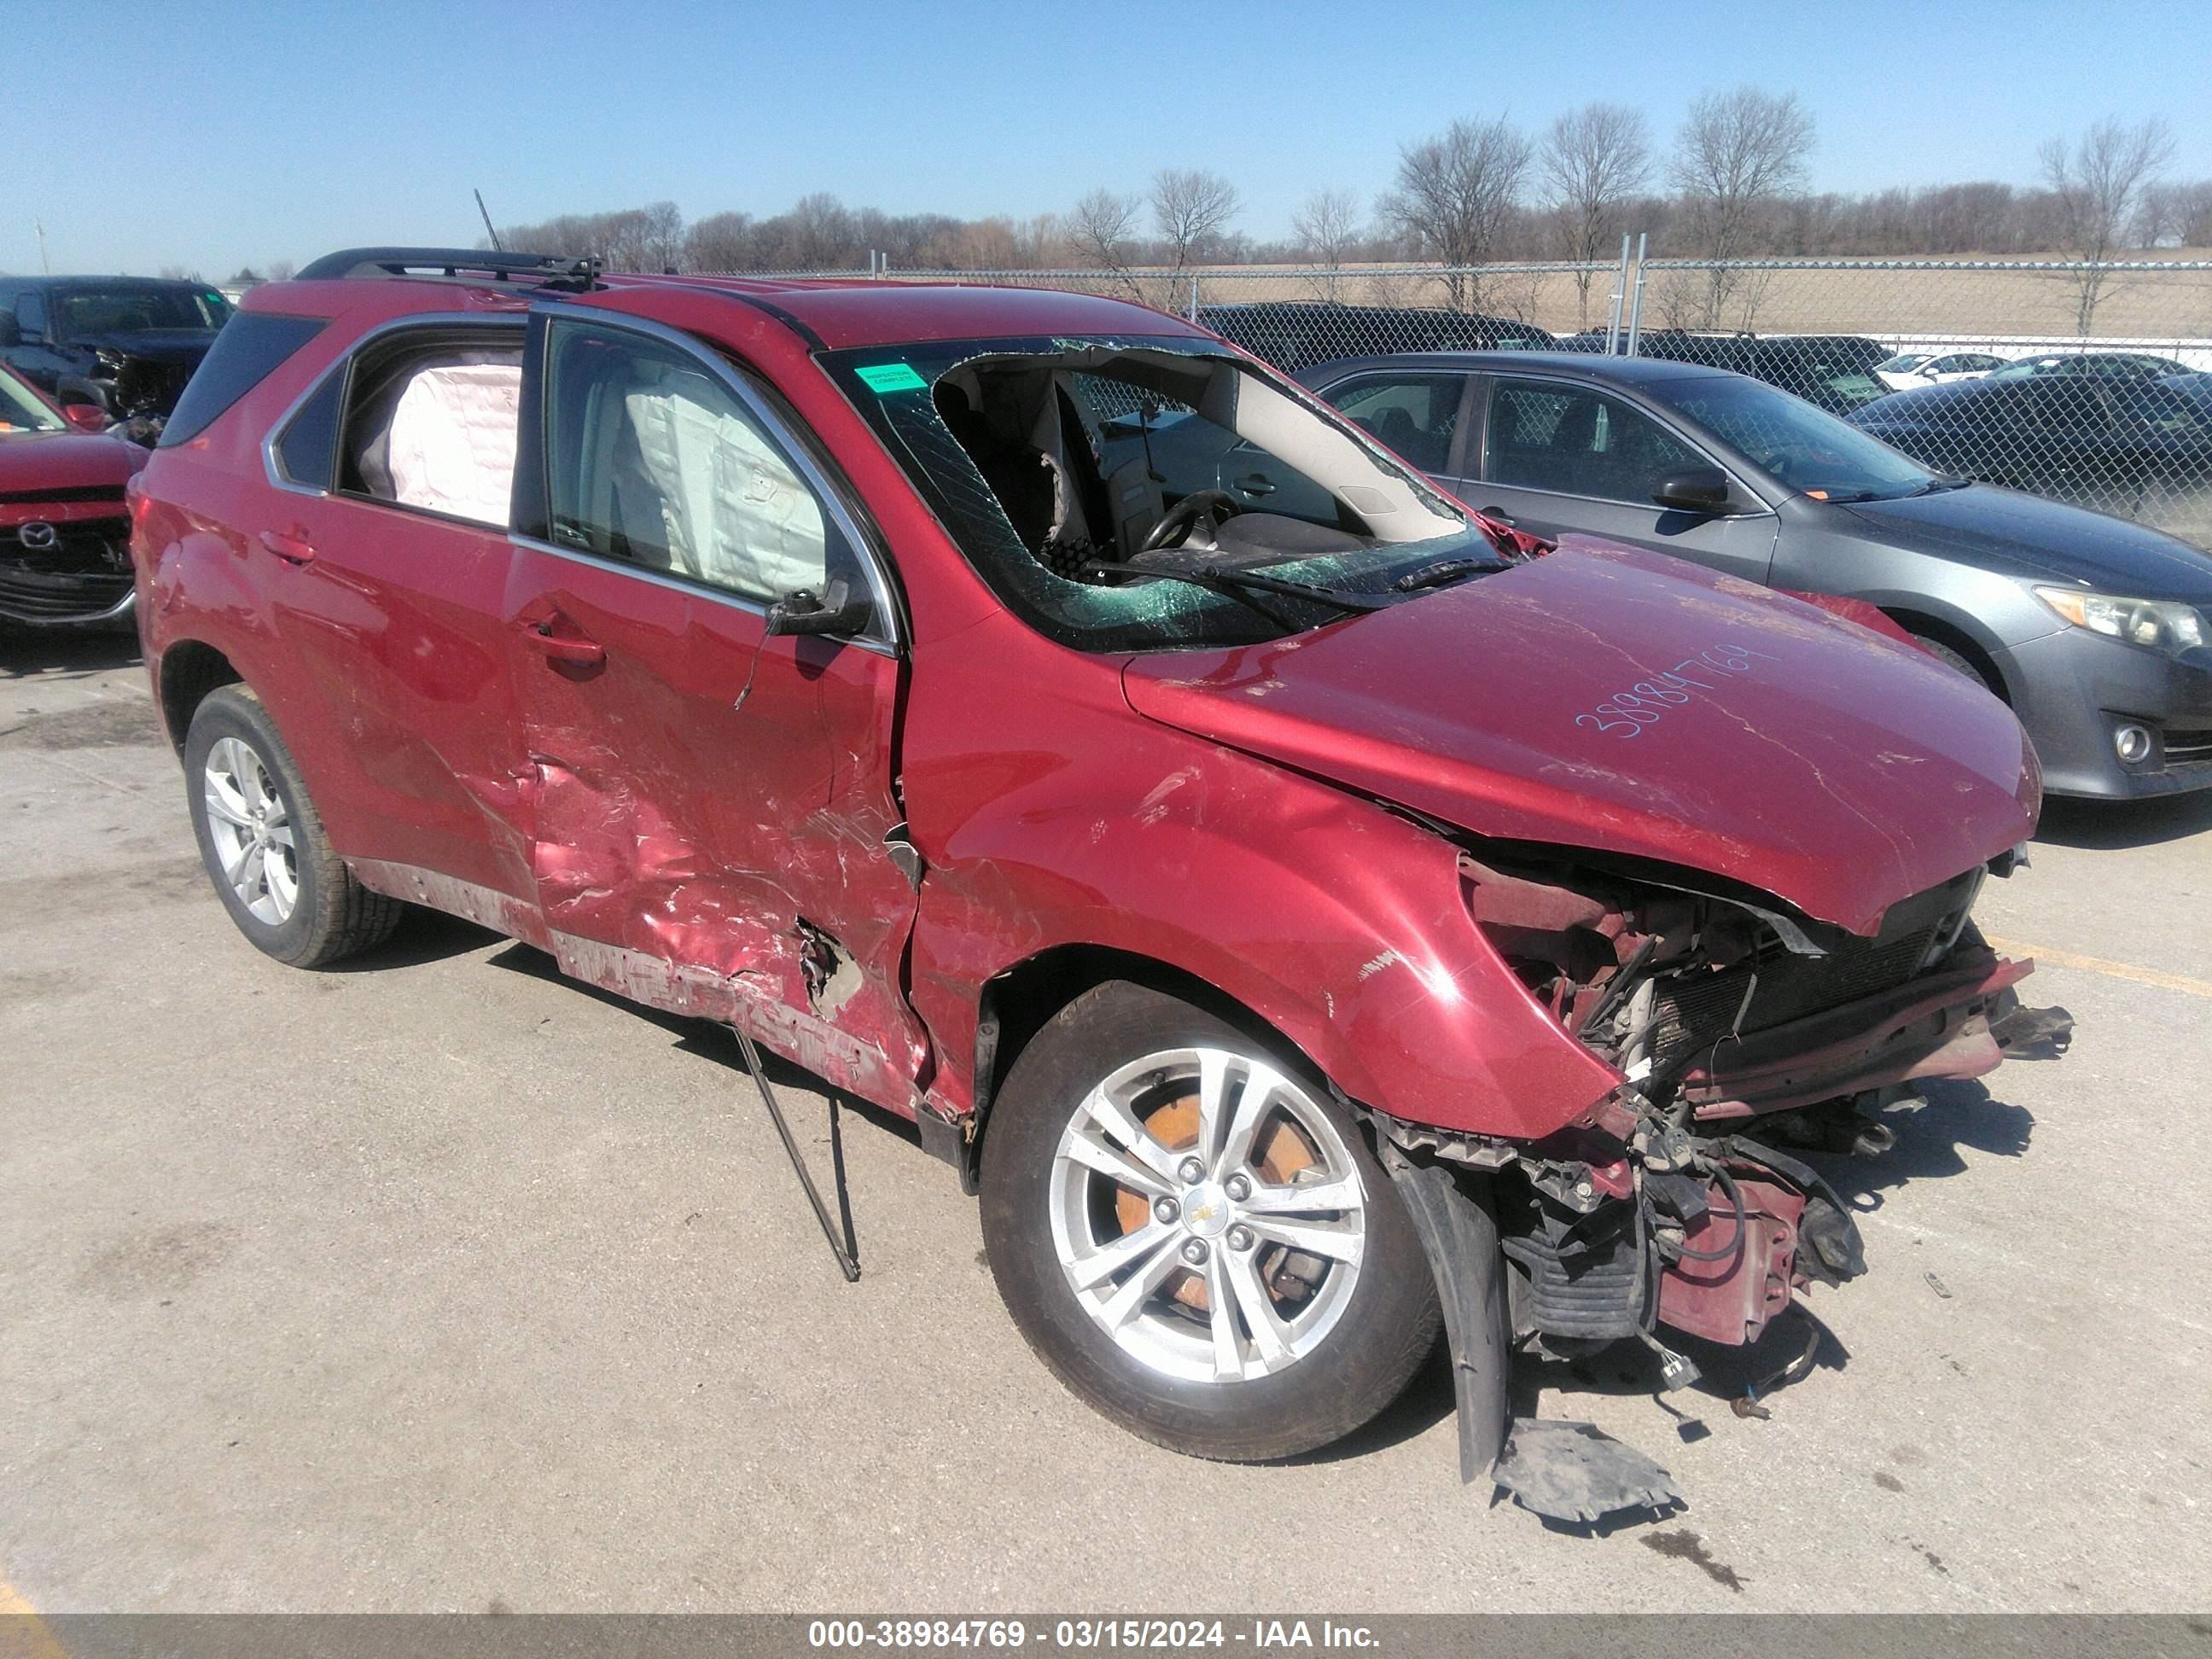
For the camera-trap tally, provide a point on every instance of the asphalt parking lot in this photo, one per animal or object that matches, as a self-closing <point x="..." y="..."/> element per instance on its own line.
<point x="441" y="1283"/>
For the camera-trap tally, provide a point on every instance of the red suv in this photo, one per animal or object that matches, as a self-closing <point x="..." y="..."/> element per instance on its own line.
<point x="64" y="540"/>
<point x="1303" y="921"/>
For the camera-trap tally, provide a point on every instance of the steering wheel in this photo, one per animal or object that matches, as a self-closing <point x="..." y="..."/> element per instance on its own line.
<point x="1211" y="508"/>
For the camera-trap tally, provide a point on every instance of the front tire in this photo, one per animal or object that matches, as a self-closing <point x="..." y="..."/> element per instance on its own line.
<point x="263" y="843"/>
<point x="1194" y="1237"/>
<point x="1952" y="657"/>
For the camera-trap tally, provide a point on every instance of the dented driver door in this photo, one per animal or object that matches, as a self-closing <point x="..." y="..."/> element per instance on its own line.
<point x="710" y="803"/>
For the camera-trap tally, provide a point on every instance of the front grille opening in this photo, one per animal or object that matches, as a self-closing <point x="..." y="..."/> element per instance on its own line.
<point x="2188" y="748"/>
<point x="86" y="572"/>
<point x="1695" y="1007"/>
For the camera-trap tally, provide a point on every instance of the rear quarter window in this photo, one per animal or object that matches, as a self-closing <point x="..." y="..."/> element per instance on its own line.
<point x="244" y="354"/>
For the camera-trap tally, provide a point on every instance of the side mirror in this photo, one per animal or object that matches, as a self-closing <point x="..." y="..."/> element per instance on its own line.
<point x="11" y="332"/>
<point x="1694" y="490"/>
<point x="839" y="611"/>
<point x="86" y="417"/>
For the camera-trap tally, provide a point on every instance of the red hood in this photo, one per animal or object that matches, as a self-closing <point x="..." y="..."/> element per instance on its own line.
<point x="1837" y="770"/>
<point x="65" y="460"/>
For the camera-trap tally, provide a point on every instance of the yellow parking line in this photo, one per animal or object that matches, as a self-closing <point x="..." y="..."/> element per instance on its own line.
<point x="24" y="1635"/>
<point x="2181" y="983"/>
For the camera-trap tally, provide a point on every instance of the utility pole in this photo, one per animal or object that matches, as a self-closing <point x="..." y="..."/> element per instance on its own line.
<point x="45" y="266"/>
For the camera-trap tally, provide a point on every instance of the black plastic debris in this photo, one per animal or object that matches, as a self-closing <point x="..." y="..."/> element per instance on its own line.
<point x="1577" y="1472"/>
<point x="2033" y="1033"/>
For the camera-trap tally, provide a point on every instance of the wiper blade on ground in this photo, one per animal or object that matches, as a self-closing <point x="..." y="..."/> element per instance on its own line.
<point x="1447" y="570"/>
<point x="1238" y="583"/>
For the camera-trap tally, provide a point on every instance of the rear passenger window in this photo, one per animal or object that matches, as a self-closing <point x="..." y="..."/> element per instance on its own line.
<point x="431" y="420"/>
<point x="654" y="461"/>
<point x="244" y="354"/>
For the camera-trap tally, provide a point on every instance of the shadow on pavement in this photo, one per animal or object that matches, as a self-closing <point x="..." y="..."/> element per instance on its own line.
<point x="424" y="936"/>
<point x="694" y="1035"/>
<point x="62" y="653"/>
<point x="1958" y="1115"/>
<point x="2105" y="825"/>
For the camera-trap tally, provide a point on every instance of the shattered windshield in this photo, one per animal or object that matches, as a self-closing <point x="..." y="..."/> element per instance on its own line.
<point x="1142" y="494"/>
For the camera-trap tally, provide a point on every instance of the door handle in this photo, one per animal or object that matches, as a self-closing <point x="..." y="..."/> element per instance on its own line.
<point x="1500" y="514"/>
<point x="290" y="545"/>
<point x="1256" y="483"/>
<point x="564" y="648"/>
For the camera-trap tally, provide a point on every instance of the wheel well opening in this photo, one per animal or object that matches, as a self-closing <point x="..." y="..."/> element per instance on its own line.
<point x="1018" y="1003"/>
<point x="1943" y="633"/>
<point x="190" y="671"/>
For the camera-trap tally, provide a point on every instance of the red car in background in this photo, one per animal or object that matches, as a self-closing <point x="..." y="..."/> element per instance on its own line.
<point x="64" y="536"/>
<point x="1303" y="926"/>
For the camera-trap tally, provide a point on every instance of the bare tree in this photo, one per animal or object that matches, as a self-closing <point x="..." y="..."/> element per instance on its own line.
<point x="1591" y="161"/>
<point x="280" y="271"/>
<point x="2099" y="185"/>
<point x="821" y="233"/>
<point x="1455" y="196"/>
<point x="1038" y="241"/>
<point x="179" y="273"/>
<point x="1325" y="227"/>
<point x="720" y="241"/>
<point x="1737" y="157"/>
<point x="1191" y="209"/>
<point x="1101" y="228"/>
<point x="661" y="236"/>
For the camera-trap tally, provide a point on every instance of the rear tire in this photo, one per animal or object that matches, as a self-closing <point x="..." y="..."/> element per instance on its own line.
<point x="263" y="843"/>
<point x="1311" y="1304"/>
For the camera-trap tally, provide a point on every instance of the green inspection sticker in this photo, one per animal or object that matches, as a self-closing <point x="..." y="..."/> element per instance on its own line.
<point x="890" y="377"/>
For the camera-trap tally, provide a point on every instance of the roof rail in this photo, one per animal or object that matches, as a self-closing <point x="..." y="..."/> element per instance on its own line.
<point x="551" y="269"/>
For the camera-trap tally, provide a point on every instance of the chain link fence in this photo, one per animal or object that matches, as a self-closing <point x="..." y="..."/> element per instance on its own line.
<point x="2090" y="384"/>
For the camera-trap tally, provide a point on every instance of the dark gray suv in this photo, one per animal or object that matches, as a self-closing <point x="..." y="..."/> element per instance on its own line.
<point x="2097" y="631"/>
<point x="125" y="344"/>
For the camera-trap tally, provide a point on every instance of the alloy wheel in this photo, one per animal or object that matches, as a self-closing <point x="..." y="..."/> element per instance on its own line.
<point x="251" y="828"/>
<point x="1207" y="1215"/>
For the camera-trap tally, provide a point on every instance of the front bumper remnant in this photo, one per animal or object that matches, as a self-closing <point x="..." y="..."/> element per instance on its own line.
<point x="1576" y="1472"/>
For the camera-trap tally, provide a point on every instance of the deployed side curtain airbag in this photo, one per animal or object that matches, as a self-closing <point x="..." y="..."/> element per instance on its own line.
<point x="737" y="515"/>
<point x="450" y="445"/>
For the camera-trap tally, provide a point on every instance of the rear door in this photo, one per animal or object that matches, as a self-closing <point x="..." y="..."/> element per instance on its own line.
<point x="1557" y="456"/>
<point x="714" y="810"/>
<point x="386" y="588"/>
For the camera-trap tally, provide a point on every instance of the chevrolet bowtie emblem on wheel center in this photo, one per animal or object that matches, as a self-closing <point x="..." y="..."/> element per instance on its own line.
<point x="38" y="536"/>
<point x="1206" y="1210"/>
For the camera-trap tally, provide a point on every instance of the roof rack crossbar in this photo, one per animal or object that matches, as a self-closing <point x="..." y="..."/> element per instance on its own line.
<point x="357" y="262"/>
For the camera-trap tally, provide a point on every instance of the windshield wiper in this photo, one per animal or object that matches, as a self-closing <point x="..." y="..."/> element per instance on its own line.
<point x="1237" y="584"/>
<point x="1447" y="570"/>
<point x="1940" y="482"/>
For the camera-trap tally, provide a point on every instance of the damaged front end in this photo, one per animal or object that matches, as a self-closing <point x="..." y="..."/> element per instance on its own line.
<point x="1738" y="1029"/>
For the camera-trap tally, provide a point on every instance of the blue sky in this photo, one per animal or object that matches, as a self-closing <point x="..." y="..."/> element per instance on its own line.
<point x="218" y="134"/>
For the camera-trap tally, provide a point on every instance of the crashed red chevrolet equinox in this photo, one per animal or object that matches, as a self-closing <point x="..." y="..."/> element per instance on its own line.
<point x="1311" y="919"/>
